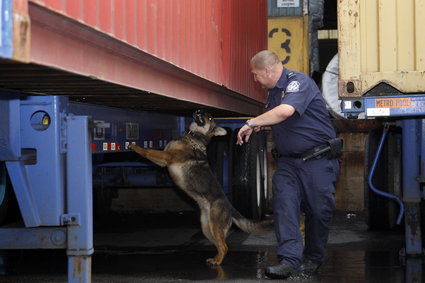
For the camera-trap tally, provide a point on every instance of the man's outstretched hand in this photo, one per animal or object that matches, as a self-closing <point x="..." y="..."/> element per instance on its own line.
<point x="244" y="134"/>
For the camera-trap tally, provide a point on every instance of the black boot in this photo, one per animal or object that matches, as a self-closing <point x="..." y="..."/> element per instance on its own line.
<point x="280" y="271"/>
<point x="309" y="267"/>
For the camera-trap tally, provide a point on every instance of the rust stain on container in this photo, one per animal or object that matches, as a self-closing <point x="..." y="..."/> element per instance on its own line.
<point x="21" y="31"/>
<point x="381" y="42"/>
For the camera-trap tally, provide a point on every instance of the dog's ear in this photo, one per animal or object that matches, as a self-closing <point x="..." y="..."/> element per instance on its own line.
<point x="219" y="131"/>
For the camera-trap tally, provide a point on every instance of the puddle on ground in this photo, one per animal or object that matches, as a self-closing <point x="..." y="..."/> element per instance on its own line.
<point x="182" y="266"/>
<point x="354" y="255"/>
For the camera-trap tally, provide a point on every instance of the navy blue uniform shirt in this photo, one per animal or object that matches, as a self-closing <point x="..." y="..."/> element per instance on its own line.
<point x="310" y="125"/>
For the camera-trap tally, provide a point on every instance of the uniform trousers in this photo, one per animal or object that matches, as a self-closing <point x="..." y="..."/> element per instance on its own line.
<point x="303" y="187"/>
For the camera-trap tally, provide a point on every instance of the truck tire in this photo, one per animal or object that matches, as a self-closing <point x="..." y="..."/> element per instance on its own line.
<point x="220" y="157"/>
<point x="250" y="177"/>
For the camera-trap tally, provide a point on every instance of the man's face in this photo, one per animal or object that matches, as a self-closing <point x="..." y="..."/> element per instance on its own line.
<point x="262" y="76"/>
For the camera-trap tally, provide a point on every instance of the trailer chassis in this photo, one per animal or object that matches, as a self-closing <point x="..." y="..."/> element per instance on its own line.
<point x="408" y="113"/>
<point x="47" y="154"/>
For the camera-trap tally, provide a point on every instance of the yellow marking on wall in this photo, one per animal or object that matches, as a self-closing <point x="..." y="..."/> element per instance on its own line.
<point x="288" y="38"/>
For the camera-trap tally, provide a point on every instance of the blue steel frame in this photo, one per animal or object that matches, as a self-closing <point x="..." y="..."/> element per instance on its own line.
<point x="408" y="110"/>
<point x="48" y="147"/>
<point x="413" y="145"/>
<point x="48" y="157"/>
<point x="6" y="25"/>
<point x="122" y="126"/>
<point x="385" y="106"/>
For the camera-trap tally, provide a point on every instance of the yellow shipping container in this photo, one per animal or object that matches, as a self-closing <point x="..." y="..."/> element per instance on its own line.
<point x="381" y="41"/>
<point x="288" y="38"/>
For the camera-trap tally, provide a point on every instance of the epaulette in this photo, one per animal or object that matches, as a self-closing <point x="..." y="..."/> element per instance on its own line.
<point x="290" y="75"/>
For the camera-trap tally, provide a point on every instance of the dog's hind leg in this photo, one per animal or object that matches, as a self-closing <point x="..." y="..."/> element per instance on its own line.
<point x="159" y="157"/>
<point x="204" y="225"/>
<point x="219" y="240"/>
<point x="215" y="228"/>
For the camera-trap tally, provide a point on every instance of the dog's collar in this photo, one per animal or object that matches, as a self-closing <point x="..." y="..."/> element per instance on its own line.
<point x="197" y="145"/>
<point x="196" y="136"/>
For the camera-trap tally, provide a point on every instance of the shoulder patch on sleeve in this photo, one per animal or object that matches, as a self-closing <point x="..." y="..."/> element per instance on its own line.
<point x="293" y="86"/>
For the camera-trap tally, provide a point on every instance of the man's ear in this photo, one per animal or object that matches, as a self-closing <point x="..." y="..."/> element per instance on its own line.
<point x="219" y="131"/>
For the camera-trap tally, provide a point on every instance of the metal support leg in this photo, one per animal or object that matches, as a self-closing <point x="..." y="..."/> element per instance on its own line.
<point x="79" y="268"/>
<point x="413" y="269"/>
<point x="411" y="187"/>
<point x="79" y="200"/>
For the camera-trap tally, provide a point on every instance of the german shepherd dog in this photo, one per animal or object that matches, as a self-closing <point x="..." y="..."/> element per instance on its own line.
<point x="187" y="163"/>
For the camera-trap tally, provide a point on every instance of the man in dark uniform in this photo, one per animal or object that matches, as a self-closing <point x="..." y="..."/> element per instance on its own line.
<point x="307" y="166"/>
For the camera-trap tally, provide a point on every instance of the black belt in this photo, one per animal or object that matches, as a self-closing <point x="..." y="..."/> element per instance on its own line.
<point x="316" y="152"/>
<point x="294" y="155"/>
<point x="331" y="149"/>
<point x="277" y="155"/>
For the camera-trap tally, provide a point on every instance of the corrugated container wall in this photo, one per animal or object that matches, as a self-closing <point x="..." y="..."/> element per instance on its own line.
<point x="381" y="41"/>
<point x="210" y="38"/>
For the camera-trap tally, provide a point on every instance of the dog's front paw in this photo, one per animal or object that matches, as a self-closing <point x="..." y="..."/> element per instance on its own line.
<point x="133" y="147"/>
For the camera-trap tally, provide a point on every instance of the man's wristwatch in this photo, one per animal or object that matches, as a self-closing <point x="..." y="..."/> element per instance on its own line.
<point x="248" y="123"/>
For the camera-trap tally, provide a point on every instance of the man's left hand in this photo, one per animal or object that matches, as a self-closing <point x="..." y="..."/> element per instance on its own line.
<point x="244" y="134"/>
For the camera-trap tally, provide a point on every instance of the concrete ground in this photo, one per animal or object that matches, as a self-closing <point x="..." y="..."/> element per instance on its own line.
<point x="169" y="247"/>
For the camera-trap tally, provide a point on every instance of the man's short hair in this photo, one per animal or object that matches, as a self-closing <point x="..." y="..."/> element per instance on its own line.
<point x="265" y="58"/>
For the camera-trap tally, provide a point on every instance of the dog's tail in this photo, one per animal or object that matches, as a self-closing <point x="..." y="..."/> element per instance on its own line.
<point x="251" y="226"/>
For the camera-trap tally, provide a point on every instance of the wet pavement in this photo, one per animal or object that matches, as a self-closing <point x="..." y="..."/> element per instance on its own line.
<point x="170" y="248"/>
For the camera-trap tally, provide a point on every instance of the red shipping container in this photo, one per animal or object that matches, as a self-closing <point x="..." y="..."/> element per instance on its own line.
<point x="196" y="51"/>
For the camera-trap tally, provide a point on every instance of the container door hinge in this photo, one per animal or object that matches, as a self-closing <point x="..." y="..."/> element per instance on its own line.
<point x="71" y="219"/>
